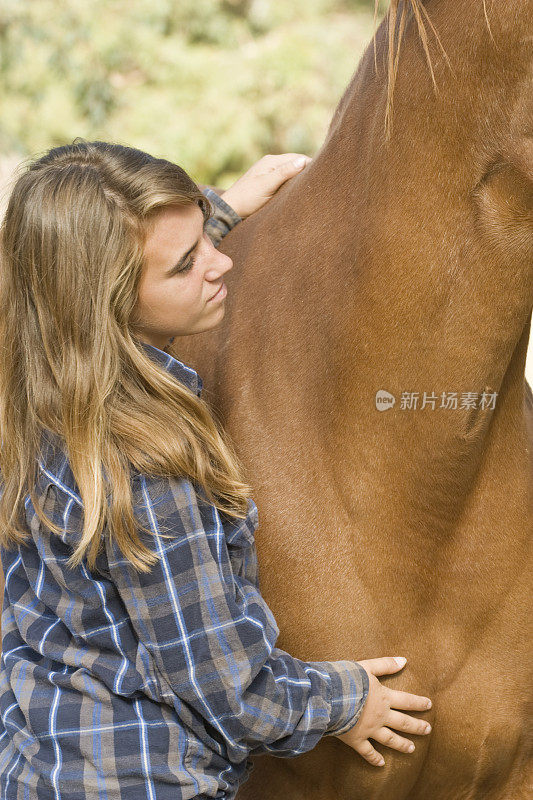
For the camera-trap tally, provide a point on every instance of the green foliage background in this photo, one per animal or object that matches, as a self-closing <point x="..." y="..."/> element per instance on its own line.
<point x="211" y="84"/>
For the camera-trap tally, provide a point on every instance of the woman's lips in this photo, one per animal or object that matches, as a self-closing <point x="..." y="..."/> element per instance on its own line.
<point x="222" y="292"/>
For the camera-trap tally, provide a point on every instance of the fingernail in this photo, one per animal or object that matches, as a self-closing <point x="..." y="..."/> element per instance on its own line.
<point x="400" y="660"/>
<point x="300" y="161"/>
<point x="380" y="763"/>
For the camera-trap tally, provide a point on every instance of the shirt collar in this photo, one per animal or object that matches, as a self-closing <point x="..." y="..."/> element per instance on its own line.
<point x="178" y="369"/>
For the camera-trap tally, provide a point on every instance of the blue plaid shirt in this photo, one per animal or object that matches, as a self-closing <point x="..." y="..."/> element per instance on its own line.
<point x="120" y="685"/>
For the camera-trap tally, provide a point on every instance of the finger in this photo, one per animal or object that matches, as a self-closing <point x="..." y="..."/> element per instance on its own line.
<point x="366" y="750"/>
<point x="297" y="159"/>
<point x="275" y="177"/>
<point x="385" y="665"/>
<point x="271" y="162"/>
<point x="287" y="169"/>
<point x="282" y="157"/>
<point x="407" y="701"/>
<point x="300" y="161"/>
<point x="407" y="724"/>
<point x="391" y="739"/>
<point x="280" y="171"/>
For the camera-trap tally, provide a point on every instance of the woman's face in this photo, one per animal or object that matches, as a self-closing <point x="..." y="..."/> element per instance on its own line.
<point x="176" y="296"/>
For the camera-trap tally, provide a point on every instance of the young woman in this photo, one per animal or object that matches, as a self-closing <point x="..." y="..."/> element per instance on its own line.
<point x="139" y="658"/>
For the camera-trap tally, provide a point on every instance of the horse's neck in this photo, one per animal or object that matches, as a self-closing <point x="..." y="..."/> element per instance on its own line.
<point x="410" y="261"/>
<point x="378" y="268"/>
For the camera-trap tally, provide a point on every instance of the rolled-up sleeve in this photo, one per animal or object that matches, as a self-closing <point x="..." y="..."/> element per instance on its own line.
<point x="212" y="636"/>
<point x="222" y="220"/>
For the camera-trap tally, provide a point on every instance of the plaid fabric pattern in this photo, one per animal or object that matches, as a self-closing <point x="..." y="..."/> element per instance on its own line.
<point x="223" y="219"/>
<point x="118" y="685"/>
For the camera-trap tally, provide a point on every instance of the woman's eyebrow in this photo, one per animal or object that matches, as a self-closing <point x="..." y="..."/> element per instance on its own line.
<point x="184" y="257"/>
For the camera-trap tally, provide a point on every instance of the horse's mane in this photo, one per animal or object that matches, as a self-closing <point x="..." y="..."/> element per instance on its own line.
<point x="410" y="9"/>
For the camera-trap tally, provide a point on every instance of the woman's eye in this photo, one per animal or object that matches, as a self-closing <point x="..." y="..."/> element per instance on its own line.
<point x="189" y="265"/>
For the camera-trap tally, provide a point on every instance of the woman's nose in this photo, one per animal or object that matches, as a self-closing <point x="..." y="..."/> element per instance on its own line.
<point x="229" y="263"/>
<point x="222" y="265"/>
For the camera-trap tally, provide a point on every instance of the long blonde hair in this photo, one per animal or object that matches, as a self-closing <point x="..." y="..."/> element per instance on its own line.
<point x="71" y="259"/>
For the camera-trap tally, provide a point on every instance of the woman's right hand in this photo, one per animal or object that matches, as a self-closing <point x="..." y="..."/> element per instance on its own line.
<point x="378" y="712"/>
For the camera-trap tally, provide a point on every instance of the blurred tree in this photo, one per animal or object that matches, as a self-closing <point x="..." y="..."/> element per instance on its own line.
<point x="211" y="84"/>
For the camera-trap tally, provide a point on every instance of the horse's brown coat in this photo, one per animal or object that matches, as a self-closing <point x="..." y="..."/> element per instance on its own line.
<point x="407" y="265"/>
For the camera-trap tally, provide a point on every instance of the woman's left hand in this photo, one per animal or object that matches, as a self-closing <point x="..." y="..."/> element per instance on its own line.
<point x="258" y="184"/>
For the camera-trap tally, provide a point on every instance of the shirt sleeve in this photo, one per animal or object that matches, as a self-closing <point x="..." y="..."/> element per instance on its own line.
<point x="223" y="219"/>
<point x="212" y="636"/>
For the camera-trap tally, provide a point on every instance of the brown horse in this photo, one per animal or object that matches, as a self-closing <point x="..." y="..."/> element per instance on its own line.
<point x="401" y="263"/>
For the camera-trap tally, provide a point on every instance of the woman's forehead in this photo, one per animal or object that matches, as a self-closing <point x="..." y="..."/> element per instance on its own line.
<point x="173" y="231"/>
